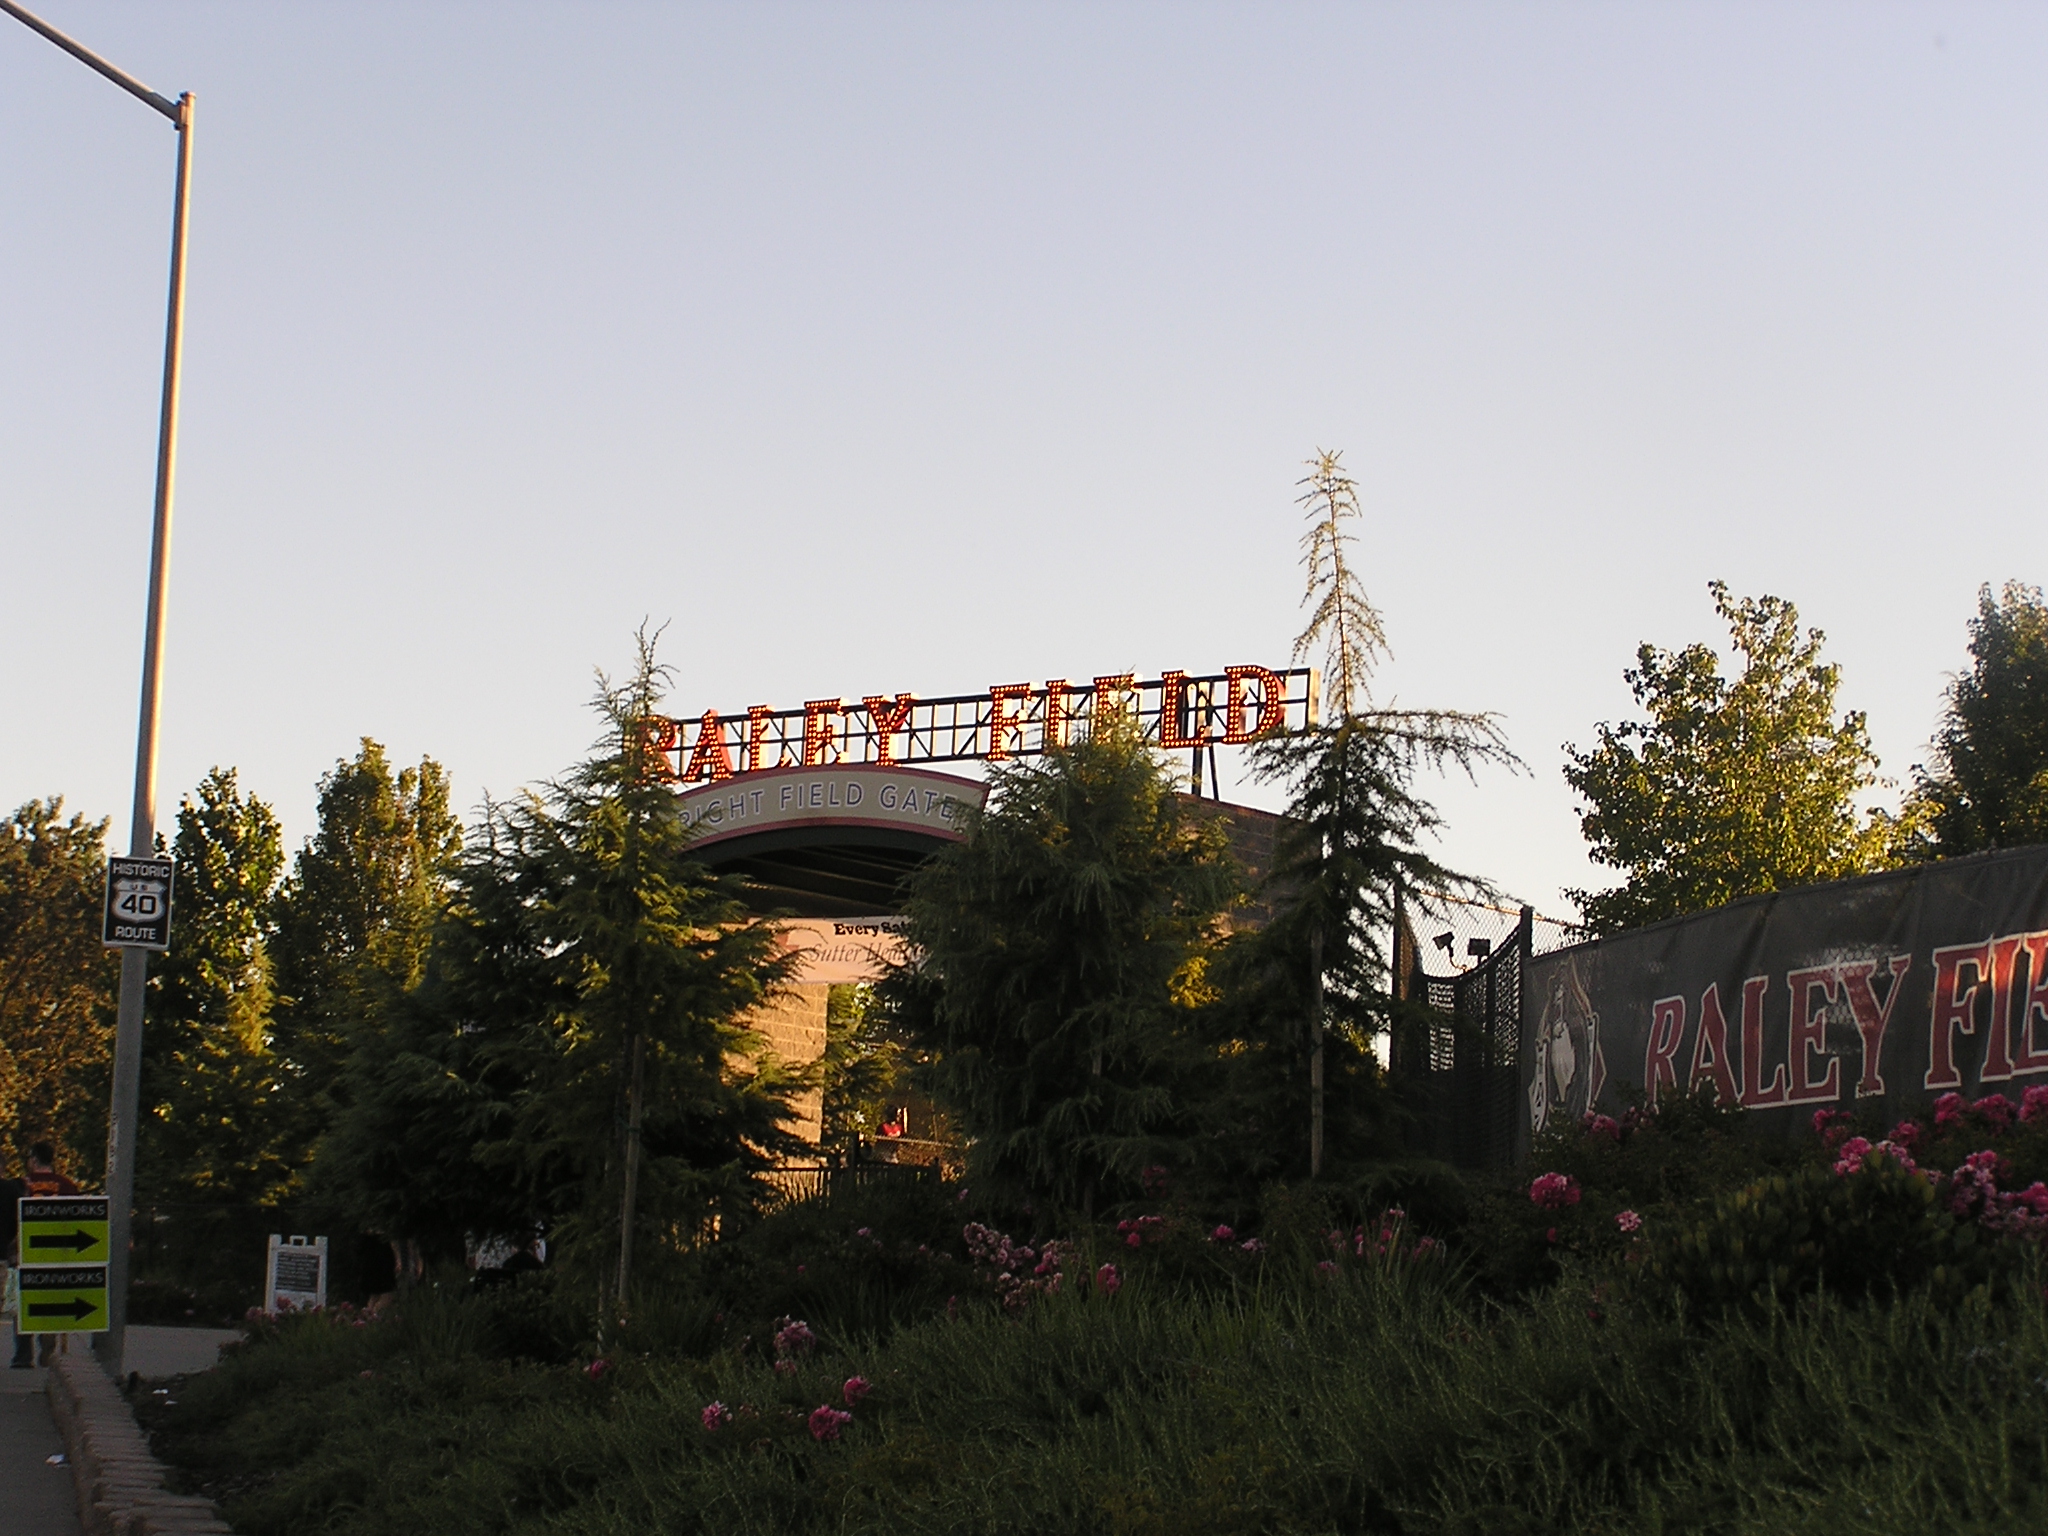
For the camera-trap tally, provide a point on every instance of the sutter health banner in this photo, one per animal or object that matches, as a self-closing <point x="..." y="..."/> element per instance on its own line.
<point x="1895" y="988"/>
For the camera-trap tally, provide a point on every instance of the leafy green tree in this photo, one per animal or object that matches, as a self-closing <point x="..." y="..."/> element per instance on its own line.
<point x="1055" y="948"/>
<point x="354" y="919"/>
<point x="1987" y="786"/>
<point x="210" y="1124"/>
<point x="56" y="986"/>
<point x="1733" y="785"/>
<point x="1356" y="825"/>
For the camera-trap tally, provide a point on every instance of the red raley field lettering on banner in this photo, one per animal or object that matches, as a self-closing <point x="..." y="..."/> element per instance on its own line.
<point x="1896" y="988"/>
<point x="1953" y="1010"/>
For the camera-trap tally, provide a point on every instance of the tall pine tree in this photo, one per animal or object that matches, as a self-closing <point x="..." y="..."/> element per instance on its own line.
<point x="1356" y="826"/>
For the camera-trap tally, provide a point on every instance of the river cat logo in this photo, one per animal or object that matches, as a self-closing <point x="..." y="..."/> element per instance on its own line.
<point x="1570" y="1069"/>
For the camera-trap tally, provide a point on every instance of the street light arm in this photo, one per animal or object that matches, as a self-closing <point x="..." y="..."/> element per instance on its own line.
<point x="86" y="56"/>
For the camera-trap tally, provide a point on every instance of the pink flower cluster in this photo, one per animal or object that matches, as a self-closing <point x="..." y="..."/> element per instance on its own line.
<point x="1601" y="1125"/>
<point x="1554" y="1191"/>
<point x="995" y="1250"/>
<point x="826" y="1422"/>
<point x="1138" y="1231"/>
<point x="1856" y="1149"/>
<point x="1994" y="1111"/>
<point x="597" y="1368"/>
<point x="1831" y="1125"/>
<point x="793" y="1337"/>
<point x="1108" y="1280"/>
<point x="716" y="1416"/>
<point x="1629" y="1221"/>
<point x="854" y="1389"/>
<point x="1974" y="1193"/>
<point x="2034" y="1104"/>
<point x="1000" y="1258"/>
<point x="1389" y="1241"/>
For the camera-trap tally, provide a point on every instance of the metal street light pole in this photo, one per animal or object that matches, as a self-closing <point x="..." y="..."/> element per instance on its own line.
<point x="121" y="1126"/>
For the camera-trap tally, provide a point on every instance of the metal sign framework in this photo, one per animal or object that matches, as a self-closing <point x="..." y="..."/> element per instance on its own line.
<point x="1175" y="712"/>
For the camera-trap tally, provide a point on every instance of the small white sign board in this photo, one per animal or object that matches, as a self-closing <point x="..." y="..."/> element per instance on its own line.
<point x="296" y="1276"/>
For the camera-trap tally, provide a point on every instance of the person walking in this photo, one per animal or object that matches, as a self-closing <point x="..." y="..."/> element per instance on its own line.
<point x="43" y="1181"/>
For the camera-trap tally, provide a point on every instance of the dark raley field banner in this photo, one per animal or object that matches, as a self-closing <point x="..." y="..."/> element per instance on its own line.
<point x="1891" y="990"/>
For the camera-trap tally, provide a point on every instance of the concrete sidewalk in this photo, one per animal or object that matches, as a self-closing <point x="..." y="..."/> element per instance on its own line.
<point x="38" y="1498"/>
<point x="155" y="1352"/>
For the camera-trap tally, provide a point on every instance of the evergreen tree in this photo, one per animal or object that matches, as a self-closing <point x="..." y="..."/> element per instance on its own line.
<point x="1731" y="786"/>
<point x="211" y="1129"/>
<point x="57" y="987"/>
<point x="434" y="1086"/>
<point x="1987" y="786"/>
<point x="1055" y="945"/>
<point x="575" y="1050"/>
<point x="1356" y="825"/>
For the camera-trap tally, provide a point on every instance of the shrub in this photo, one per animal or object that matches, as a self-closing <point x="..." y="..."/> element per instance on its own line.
<point x="1879" y="1229"/>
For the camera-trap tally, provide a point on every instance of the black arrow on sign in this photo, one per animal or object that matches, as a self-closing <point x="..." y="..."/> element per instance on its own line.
<point x="77" y="1242"/>
<point x="78" y="1309"/>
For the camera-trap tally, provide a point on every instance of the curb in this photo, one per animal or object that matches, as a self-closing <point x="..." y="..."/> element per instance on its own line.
<point x="120" y="1486"/>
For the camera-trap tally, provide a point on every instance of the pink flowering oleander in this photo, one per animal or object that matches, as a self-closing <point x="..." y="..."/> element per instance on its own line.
<point x="1948" y="1109"/>
<point x="716" y="1415"/>
<point x="1133" y="1241"/>
<point x="597" y="1368"/>
<point x="1629" y="1221"/>
<point x="1222" y="1234"/>
<point x="1907" y="1133"/>
<point x="1252" y="1245"/>
<point x="1974" y="1193"/>
<point x="2034" y="1104"/>
<point x="1857" y="1149"/>
<point x="856" y="1388"/>
<point x="1327" y="1266"/>
<point x="1554" y="1191"/>
<point x="1600" y="1125"/>
<point x="1108" y="1281"/>
<point x="826" y="1422"/>
<point x="1996" y="1108"/>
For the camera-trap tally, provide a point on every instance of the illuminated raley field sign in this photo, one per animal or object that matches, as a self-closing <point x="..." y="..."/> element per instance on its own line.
<point x="1176" y="712"/>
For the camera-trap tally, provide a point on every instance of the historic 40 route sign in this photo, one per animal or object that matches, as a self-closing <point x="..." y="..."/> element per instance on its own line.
<point x="138" y="910"/>
<point x="63" y="1299"/>
<point x="64" y="1229"/>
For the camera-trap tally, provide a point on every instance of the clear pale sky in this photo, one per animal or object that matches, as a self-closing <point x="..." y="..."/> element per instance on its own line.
<point x="928" y="347"/>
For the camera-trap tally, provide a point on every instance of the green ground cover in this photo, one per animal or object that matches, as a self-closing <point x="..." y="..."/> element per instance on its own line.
<point x="1775" y="1346"/>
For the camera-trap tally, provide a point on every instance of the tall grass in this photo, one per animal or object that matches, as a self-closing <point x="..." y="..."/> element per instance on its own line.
<point x="1375" y="1401"/>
